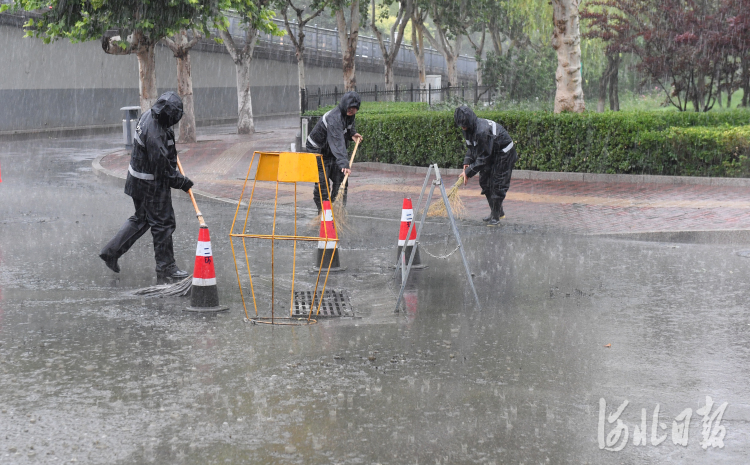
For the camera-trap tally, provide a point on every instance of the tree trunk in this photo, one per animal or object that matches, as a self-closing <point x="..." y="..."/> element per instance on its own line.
<point x="389" y="80"/>
<point x="185" y="90"/>
<point x="242" y="60"/>
<point x="417" y="43"/>
<point x="301" y="74"/>
<point x="449" y="52"/>
<point x="497" y="42"/>
<point x="729" y="97"/>
<point x="452" y="63"/>
<point x="745" y="80"/>
<point x="245" y="122"/>
<point x="299" y="45"/>
<point x="603" y="88"/>
<point x="348" y="38"/>
<point x="180" y="47"/>
<point x="566" y="40"/>
<point x="147" y="76"/>
<point x="144" y="50"/>
<point x="395" y="38"/>
<point x="614" y="82"/>
<point x="478" y="52"/>
<point x="614" y="91"/>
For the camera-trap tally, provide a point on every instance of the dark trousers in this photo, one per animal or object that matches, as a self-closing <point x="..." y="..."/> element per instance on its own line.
<point x="495" y="179"/>
<point x="334" y="177"/>
<point x="149" y="213"/>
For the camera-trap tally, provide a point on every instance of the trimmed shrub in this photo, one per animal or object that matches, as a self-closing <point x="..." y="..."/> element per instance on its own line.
<point x="670" y="143"/>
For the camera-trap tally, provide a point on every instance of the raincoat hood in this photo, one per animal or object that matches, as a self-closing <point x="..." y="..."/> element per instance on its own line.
<point x="464" y="117"/>
<point x="168" y="109"/>
<point x="350" y="99"/>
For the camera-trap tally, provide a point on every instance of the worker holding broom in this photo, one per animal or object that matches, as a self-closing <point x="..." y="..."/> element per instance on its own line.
<point x="330" y="137"/>
<point x="151" y="176"/>
<point x="491" y="154"/>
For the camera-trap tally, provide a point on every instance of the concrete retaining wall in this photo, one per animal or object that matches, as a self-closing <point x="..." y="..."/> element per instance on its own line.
<point x="65" y="85"/>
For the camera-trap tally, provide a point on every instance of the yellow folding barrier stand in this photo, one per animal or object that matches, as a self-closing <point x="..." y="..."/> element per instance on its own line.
<point x="297" y="167"/>
<point x="287" y="167"/>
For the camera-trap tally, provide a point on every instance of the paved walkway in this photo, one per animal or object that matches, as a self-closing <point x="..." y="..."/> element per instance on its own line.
<point x="614" y="205"/>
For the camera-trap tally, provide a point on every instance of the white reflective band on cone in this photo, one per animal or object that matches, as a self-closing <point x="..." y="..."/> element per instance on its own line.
<point x="204" y="281"/>
<point x="203" y="249"/>
<point x="407" y="215"/>
<point x="324" y="245"/>
<point x="328" y="215"/>
<point x="402" y="241"/>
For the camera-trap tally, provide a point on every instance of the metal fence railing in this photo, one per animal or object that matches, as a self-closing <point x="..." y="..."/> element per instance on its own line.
<point x="325" y="41"/>
<point x="314" y="99"/>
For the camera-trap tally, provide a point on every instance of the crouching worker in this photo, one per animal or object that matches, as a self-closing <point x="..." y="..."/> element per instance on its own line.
<point x="151" y="176"/>
<point x="491" y="154"/>
<point x="330" y="137"/>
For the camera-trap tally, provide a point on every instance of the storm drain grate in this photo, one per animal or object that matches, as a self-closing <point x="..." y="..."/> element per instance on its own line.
<point x="335" y="303"/>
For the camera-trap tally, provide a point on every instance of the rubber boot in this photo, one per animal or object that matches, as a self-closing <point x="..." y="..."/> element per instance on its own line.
<point x="489" y="201"/>
<point x="497" y="213"/>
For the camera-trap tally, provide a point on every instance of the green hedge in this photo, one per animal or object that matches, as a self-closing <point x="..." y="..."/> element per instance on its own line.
<point x="671" y="143"/>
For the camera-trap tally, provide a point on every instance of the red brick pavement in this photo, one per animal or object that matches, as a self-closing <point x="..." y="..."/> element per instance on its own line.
<point x="219" y="165"/>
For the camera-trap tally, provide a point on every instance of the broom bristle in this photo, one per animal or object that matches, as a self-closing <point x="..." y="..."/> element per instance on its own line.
<point x="180" y="288"/>
<point x="341" y="217"/>
<point x="437" y="209"/>
<point x="314" y="222"/>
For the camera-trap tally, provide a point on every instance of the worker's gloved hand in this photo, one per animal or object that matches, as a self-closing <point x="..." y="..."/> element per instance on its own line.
<point x="187" y="184"/>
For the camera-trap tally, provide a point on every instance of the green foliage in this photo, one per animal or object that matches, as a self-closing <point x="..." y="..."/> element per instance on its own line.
<point x="521" y="74"/>
<point x="666" y="143"/>
<point x="82" y="21"/>
<point x="255" y="14"/>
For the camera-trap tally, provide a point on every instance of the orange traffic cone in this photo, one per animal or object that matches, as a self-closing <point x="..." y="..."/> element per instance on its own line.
<point x="327" y="248"/>
<point x="407" y="216"/>
<point x="204" y="295"/>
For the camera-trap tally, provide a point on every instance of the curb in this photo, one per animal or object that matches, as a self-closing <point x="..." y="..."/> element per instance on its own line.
<point x="575" y="177"/>
<point x="118" y="179"/>
<point x="729" y="237"/>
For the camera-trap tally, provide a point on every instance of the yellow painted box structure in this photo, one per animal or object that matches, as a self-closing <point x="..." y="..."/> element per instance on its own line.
<point x="287" y="167"/>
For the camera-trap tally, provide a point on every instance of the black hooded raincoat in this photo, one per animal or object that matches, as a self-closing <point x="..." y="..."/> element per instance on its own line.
<point x="151" y="176"/>
<point x="330" y="137"/>
<point x="491" y="154"/>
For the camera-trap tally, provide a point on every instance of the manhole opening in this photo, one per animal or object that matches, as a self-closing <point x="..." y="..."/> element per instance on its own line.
<point x="335" y="303"/>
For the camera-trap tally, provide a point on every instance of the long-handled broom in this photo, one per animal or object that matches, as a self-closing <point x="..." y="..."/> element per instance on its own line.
<point x="182" y="287"/>
<point x="339" y="212"/>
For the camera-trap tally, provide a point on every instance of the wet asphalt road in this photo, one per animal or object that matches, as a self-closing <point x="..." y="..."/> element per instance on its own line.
<point x="89" y="373"/>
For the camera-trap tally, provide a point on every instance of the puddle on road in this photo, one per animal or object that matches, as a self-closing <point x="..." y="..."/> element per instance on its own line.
<point x="91" y="373"/>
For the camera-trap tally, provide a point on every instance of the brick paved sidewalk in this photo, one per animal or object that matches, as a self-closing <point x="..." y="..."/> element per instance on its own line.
<point x="219" y="164"/>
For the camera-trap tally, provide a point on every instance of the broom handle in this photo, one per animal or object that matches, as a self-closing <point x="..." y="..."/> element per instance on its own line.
<point x="351" y="161"/>
<point x="192" y="197"/>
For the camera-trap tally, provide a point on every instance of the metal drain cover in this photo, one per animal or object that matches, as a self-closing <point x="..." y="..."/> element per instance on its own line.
<point x="335" y="303"/>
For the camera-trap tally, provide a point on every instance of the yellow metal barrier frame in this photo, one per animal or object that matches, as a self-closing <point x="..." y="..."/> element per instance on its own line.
<point x="286" y="167"/>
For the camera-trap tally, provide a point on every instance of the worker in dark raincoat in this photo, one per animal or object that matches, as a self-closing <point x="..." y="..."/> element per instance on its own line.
<point x="151" y="176"/>
<point x="492" y="154"/>
<point x="330" y="137"/>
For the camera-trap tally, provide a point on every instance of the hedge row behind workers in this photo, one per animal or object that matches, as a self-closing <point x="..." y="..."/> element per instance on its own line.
<point x="491" y="154"/>
<point x="329" y="138"/>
